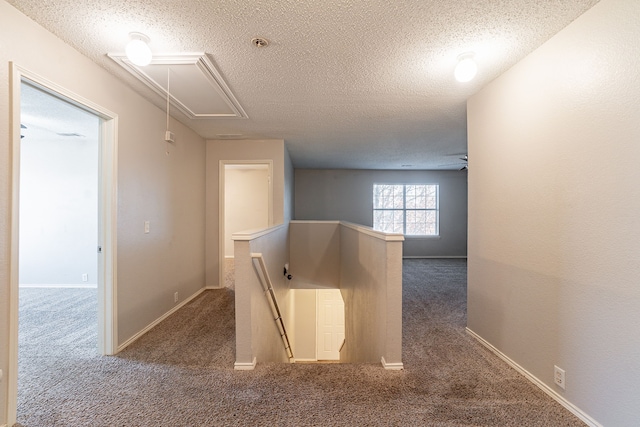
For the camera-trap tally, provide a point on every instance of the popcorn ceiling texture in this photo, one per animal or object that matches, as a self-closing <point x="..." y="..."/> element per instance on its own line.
<point x="347" y="84"/>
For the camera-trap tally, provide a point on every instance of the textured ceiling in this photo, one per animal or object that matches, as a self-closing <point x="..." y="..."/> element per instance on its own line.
<point x="48" y="118"/>
<point x="346" y="83"/>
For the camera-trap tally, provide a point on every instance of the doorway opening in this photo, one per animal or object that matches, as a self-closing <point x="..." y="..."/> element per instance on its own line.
<point x="58" y="232"/>
<point x="58" y="193"/>
<point x="245" y="204"/>
<point x="62" y="215"/>
<point x="318" y="326"/>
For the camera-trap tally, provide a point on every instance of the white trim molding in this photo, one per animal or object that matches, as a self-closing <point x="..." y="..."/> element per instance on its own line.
<point x="397" y="366"/>
<point x="388" y="237"/>
<point x="541" y="385"/>
<point x="158" y="320"/>
<point x="434" y="257"/>
<point x="245" y="366"/>
<point x="199" y="68"/>
<point x="254" y="234"/>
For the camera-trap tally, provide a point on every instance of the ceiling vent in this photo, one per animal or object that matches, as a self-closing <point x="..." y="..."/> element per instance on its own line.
<point x="197" y="88"/>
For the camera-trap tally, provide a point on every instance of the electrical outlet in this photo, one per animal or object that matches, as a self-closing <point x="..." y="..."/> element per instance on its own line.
<point x="175" y="297"/>
<point x="558" y="377"/>
<point x="147" y="227"/>
<point x="85" y="277"/>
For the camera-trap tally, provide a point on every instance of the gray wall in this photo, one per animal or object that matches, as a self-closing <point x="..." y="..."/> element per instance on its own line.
<point x="554" y="250"/>
<point x="325" y="194"/>
<point x="289" y="179"/>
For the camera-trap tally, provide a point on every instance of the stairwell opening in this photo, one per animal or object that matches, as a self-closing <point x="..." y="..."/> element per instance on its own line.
<point x="317" y="324"/>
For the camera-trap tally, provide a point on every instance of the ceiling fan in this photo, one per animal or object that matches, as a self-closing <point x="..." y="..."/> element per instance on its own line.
<point x="465" y="159"/>
<point x="463" y="166"/>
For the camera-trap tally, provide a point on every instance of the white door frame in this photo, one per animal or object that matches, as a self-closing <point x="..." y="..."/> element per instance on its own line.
<point x="107" y="230"/>
<point x="221" y="206"/>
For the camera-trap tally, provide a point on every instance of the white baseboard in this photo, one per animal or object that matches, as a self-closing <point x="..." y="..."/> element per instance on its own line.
<point x="304" y="360"/>
<point x="435" y="257"/>
<point x="542" y="386"/>
<point x="212" y="288"/>
<point x="245" y="366"/>
<point x="46" y="285"/>
<point x="397" y="366"/>
<point x="157" y="321"/>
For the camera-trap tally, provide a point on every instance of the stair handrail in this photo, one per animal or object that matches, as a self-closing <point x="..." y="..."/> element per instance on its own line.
<point x="267" y="286"/>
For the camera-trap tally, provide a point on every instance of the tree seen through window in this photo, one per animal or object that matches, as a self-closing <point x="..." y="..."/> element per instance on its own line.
<point x="410" y="209"/>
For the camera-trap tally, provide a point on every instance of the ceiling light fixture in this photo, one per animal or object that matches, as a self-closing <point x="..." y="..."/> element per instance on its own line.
<point x="466" y="68"/>
<point x="138" y="50"/>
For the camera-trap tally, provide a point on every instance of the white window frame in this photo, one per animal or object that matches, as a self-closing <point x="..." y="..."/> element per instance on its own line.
<point x="404" y="209"/>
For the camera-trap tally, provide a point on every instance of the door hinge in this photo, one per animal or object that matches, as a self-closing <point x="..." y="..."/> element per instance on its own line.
<point x="99" y="249"/>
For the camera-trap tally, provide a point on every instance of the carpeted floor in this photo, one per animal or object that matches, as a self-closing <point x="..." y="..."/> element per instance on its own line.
<point x="181" y="373"/>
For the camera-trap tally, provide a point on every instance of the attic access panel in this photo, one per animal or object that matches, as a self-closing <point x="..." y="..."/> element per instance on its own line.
<point x="195" y="85"/>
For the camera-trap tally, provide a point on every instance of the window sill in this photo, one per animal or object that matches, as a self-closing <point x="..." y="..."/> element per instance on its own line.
<point x="414" y="236"/>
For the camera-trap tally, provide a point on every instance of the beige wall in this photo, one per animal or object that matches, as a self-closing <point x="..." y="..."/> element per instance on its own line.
<point x="246" y="201"/>
<point x="239" y="151"/>
<point x="554" y="235"/>
<point x="371" y="285"/>
<point x="303" y="324"/>
<point x="167" y="190"/>
<point x="315" y="253"/>
<point x="257" y="334"/>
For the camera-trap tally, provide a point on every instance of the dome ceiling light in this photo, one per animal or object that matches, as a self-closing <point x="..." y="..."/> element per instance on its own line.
<point x="138" y="51"/>
<point x="466" y="69"/>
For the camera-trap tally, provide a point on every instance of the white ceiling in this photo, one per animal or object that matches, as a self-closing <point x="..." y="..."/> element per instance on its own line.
<point x="48" y="118"/>
<point x="346" y="83"/>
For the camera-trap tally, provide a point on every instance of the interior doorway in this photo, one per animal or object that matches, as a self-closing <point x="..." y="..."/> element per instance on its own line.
<point x="330" y="329"/>
<point x="96" y="266"/>
<point x="245" y="204"/>
<point x="59" y="153"/>
<point x="58" y="236"/>
<point x="317" y="323"/>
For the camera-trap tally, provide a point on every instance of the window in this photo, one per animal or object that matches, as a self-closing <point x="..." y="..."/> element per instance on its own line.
<point x="410" y="209"/>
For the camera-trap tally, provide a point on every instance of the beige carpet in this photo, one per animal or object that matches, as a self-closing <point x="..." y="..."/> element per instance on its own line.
<point x="181" y="373"/>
